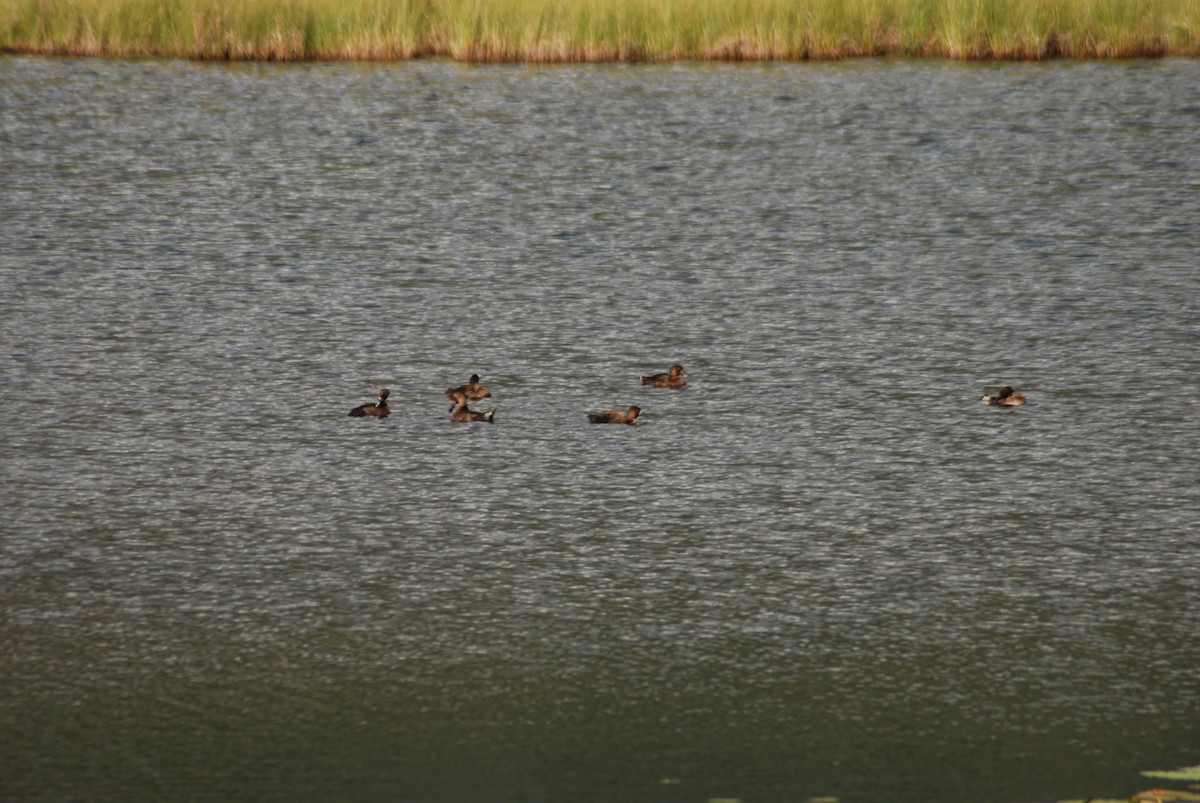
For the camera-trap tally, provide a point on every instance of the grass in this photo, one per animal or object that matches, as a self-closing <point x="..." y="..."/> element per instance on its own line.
<point x="601" y="30"/>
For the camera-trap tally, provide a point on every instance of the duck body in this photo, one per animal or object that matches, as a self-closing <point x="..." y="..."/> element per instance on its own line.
<point x="673" y="378"/>
<point x="1007" y="397"/>
<point x="616" y="416"/>
<point x="460" y="412"/>
<point x="1012" y="400"/>
<point x="472" y="390"/>
<point x="378" y="408"/>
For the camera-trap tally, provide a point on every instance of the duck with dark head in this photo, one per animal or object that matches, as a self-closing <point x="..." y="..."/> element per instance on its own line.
<point x="673" y="378"/>
<point x="472" y="389"/>
<point x="1007" y="397"/>
<point x="460" y="412"/>
<point x="630" y="416"/>
<point x="377" y="408"/>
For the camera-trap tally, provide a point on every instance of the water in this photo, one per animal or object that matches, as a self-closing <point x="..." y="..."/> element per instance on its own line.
<point x="823" y="569"/>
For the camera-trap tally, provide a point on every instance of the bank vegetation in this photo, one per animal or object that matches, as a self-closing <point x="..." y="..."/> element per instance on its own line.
<point x="602" y="30"/>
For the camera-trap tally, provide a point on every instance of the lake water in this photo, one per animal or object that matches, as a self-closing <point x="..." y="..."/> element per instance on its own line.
<point x="823" y="569"/>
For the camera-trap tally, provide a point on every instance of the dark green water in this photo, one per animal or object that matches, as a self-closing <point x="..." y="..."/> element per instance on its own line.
<point x="823" y="569"/>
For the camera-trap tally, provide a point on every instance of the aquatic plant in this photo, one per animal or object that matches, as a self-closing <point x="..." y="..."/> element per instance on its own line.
<point x="602" y="30"/>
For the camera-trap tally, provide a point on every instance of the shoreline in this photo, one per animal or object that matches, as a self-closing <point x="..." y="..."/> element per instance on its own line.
<point x="630" y="57"/>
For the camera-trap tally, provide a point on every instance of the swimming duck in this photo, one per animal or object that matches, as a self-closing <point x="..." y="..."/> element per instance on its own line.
<point x="615" y="416"/>
<point x="673" y="378"/>
<point x="378" y="408"/>
<point x="460" y="411"/>
<point x="473" y="390"/>
<point x="1007" y="397"/>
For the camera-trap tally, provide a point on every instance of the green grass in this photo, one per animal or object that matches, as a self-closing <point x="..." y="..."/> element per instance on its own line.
<point x="602" y="30"/>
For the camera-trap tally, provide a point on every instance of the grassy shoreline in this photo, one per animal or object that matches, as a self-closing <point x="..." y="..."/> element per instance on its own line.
<point x="601" y="30"/>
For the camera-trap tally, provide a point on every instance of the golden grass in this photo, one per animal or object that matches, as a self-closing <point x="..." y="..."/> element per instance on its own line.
<point x="602" y="30"/>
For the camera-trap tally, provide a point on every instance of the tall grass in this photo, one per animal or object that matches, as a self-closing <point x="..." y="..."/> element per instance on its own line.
<point x="602" y="30"/>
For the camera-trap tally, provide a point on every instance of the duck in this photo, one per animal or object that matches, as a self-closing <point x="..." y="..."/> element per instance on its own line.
<point x="673" y="378"/>
<point x="1007" y="397"/>
<point x="472" y="389"/>
<point x="616" y="417"/>
<point x="377" y="408"/>
<point x="460" y="411"/>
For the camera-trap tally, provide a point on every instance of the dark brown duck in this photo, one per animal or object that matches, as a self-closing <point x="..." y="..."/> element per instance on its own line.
<point x="377" y="408"/>
<point x="616" y="416"/>
<point x="460" y="412"/>
<point x="673" y="378"/>
<point x="472" y="390"/>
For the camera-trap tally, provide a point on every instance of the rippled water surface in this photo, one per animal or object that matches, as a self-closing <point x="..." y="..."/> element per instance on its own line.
<point x="822" y="569"/>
